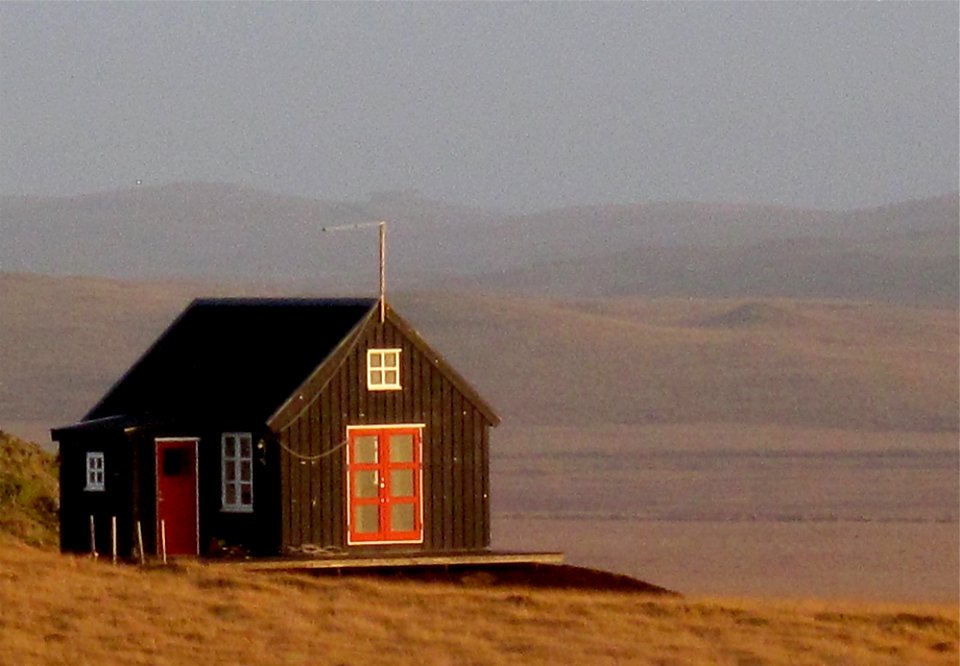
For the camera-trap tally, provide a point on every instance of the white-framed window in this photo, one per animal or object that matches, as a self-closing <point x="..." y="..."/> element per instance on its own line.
<point x="95" y="477"/>
<point x="236" y="476"/>
<point x="383" y="369"/>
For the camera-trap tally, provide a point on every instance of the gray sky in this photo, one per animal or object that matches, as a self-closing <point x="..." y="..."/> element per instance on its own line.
<point x="513" y="106"/>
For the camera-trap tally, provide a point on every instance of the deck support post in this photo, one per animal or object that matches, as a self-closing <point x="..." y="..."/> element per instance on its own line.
<point x="93" y="538"/>
<point x="143" y="556"/>
<point x="163" y="539"/>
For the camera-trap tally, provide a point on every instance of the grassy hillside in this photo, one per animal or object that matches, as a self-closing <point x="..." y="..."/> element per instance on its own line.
<point x="63" y="342"/>
<point x="652" y="361"/>
<point x="29" y="493"/>
<point x="59" y="610"/>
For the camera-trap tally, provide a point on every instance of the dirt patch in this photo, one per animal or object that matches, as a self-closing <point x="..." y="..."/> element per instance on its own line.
<point x="552" y="576"/>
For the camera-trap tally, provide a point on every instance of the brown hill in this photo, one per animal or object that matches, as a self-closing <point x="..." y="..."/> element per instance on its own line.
<point x="640" y="361"/>
<point x="819" y="364"/>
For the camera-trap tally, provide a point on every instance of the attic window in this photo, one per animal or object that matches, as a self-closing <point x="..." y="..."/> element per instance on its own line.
<point x="237" y="472"/>
<point x="94" y="471"/>
<point x="383" y="369"/>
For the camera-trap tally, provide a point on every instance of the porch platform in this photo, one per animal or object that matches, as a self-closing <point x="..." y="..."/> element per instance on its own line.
<point x="343" y="562"/>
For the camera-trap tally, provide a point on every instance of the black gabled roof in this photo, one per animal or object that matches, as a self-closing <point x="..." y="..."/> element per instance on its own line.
<point x="233" y="356"/>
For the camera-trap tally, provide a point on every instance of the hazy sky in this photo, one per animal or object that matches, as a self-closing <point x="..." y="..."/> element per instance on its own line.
<point x="514" y="106"/>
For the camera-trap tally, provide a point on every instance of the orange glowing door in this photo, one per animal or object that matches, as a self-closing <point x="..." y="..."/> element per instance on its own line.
<point x="177" y="513"/>
<point x="384" y="479"/>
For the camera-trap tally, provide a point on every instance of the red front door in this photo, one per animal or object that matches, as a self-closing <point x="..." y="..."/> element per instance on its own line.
<point x="177" y="496"/>
<point x="384" y="479"/>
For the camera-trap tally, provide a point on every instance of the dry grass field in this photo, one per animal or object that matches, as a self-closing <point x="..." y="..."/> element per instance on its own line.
<point x="64" y="610"/>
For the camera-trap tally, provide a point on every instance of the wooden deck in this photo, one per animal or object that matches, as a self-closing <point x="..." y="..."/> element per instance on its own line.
<point x="397" y="561"/>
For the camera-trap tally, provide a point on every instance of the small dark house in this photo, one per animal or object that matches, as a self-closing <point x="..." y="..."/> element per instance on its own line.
<point x="276" y="426"/>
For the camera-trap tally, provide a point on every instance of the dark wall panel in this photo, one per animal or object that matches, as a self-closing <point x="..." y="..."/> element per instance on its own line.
<point x="456" y="512"/>
<point x="78" y="504"/>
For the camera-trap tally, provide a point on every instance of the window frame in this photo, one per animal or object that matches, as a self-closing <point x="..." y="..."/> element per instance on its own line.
<point x="96" y="472"/>
<point x="238" y="505"/>
<point x="383" y="385"/>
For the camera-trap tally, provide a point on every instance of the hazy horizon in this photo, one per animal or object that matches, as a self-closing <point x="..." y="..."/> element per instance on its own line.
<point x="510" y="107"/>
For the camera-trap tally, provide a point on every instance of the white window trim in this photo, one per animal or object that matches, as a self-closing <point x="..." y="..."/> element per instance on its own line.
<point x="96" y="472"/>
<point x="237" y="506"/>
<point x="383" y="385"/>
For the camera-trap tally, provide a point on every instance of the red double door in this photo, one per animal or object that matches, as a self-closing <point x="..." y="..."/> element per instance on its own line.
<point x="384" y="484"/>
<point x="177" y="515"/>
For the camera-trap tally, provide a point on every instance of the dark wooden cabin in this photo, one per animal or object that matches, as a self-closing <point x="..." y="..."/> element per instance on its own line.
<point x="277" y="426"/>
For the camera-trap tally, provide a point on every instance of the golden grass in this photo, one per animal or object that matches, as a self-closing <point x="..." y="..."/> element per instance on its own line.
<point x="62" y="610"/>
<point x="29" y="492"/>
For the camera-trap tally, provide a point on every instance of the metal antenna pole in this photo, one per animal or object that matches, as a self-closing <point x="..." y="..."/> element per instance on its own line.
<point x="383" y="257"/>
<point x="383" y="271"/>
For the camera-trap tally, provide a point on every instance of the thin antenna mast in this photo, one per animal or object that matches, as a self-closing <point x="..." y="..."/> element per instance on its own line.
<point x="383" y="270"/>
<point x="383" y="257"/>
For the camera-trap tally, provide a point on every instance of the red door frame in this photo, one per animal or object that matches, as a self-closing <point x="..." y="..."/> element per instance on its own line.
<point x="177" y="500"/>
<point x="383" y="466"/>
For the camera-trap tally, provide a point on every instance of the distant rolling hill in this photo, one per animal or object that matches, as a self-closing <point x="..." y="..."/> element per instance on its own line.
<point x="905" y="252"/>
<point x="910" y="268"/>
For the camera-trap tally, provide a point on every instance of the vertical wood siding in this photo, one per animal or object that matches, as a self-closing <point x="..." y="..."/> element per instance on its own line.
<point x="455" y="439"/>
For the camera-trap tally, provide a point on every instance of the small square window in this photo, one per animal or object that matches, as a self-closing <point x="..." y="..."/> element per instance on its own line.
<point x="95" y="467"/>
<point x="383" y="369"/>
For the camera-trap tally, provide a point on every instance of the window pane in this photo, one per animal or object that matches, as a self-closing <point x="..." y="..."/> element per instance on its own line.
<point x="246" y="494"/>
<point x="230" y="494"/>
<point x="401" y="517"/>
<point x="367" y="518"/>
<point x="245" y="448"/>
<point x="366" y="484"/>
<point x="376" y="377"/>
<point x="390" y="378"/>
<point x="229" y="471"/>
<point x="365" y="449"/>
<point x="390" y="360"/>
<point x="401" y="483"/>
<point x="401" y="448"/>
<point x="245" y="470"/>
<point x="376" y="360"/>
<point x="229" y="447"/>
<point x="174" y="462"/>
